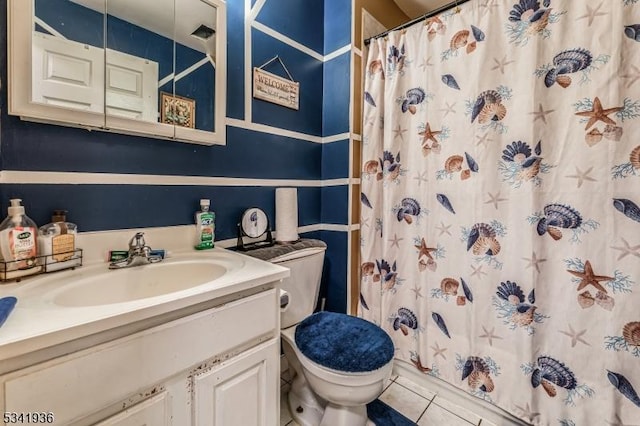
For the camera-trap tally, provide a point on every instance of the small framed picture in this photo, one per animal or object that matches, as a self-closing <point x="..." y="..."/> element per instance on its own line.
<point x="177" y="110"/>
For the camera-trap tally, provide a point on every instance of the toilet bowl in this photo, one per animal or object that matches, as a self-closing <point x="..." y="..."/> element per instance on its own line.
<point x="325" y="396"/>
<point x="339" y="362"/>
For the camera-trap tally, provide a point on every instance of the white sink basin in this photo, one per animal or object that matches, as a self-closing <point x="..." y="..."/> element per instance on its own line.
<point x="66" y="305"/>
<point x="138" y="282"/>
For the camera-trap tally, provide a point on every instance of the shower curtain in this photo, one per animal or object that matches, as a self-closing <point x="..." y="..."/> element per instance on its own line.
<point x="500" y="224"/>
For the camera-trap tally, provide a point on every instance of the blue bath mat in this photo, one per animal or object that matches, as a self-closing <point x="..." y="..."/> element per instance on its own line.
<point x="383" y="415"/>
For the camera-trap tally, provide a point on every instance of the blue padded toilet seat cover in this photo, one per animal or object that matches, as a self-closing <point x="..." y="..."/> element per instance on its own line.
<point x="343" y="342"/>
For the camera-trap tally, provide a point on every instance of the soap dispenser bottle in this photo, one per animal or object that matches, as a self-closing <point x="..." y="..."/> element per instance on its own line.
<point x="205" y="226"/>
<point x="18" y="242"/>
<point x="57" y="243"/>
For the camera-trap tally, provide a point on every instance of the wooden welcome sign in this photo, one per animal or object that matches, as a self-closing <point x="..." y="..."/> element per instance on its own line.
<point x="272" y="88"/>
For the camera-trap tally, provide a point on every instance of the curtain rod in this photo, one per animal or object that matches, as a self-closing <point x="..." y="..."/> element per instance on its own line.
<point x="418" y="19"/>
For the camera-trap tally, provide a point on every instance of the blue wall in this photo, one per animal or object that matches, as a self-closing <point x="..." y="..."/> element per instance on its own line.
<point x="304" y="69"/>
<point x="335" y="156"/>
<point x="301" y="21"/>
<point x="27" y="146"/>
<point x="337" y="25"/>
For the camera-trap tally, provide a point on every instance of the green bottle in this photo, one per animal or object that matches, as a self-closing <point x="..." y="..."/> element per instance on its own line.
<point x="205" y="226"/>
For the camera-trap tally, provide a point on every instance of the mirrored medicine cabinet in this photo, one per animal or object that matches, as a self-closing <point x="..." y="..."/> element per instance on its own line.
<point x="147" y="67"/>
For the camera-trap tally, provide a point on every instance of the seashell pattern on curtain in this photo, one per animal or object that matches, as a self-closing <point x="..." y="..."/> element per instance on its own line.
<point x="500" y="228"/>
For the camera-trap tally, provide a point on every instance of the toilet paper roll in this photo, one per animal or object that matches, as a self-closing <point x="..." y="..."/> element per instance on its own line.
<point x="286" y="214"/>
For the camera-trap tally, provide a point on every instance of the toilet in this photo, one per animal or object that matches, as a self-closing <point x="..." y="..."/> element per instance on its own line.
<point x="340" y="362"/>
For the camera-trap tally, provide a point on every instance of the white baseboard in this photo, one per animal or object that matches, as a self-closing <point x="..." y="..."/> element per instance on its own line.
<point x="456" y="396"/>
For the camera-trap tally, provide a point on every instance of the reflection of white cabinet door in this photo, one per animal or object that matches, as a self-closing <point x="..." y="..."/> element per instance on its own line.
<point x="151" y="412"/>
<point x="67" y="73"/>
<point x="242" y="391"/>
<point x="132" y="86"/>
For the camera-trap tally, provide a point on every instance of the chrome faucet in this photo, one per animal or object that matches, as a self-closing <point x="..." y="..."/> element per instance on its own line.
<point x="139" y="254"/>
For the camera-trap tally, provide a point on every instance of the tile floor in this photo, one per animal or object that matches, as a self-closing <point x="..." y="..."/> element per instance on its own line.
<point x="414" y="402"/>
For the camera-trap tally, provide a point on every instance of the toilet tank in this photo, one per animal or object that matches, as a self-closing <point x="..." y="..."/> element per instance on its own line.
<point x="303" y="285"/>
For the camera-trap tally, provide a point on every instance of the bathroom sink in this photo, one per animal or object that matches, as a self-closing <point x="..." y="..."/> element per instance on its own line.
<point x="135" y="283"/>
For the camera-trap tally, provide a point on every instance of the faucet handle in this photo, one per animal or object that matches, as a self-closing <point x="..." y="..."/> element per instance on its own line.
<point x="139" y="254"/>
<point x="137" y="242"/>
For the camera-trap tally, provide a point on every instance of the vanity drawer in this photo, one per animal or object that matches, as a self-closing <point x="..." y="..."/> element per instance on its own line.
<point x="78" y="384"/>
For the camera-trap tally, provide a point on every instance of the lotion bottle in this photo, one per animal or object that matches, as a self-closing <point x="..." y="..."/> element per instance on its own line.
<point x="57" y="242"/>
<point x="205" y="226"/>
<point x="18" y="242"/>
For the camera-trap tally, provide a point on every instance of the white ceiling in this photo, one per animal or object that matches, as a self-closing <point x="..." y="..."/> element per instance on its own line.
<point x="158" y="16"/>
<point x="415" y="8"/>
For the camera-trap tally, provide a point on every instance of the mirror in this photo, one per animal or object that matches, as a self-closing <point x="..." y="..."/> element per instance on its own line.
<point x="150" y="67"/>
<point x="200" y="58"/>
<point x="140" y="52"/>
<point x="68" y="55"/>
<point x="56" y="65"/>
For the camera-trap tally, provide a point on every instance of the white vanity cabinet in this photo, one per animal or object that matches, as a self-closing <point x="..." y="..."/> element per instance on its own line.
<point x="223" y="395"/>
<point x="218" y="366"/>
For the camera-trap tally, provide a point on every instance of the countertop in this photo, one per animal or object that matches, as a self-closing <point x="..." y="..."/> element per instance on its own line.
<point x="37" y="322"/>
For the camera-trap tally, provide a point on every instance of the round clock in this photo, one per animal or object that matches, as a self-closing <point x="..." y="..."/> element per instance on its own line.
<point x="254" y="222"/>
